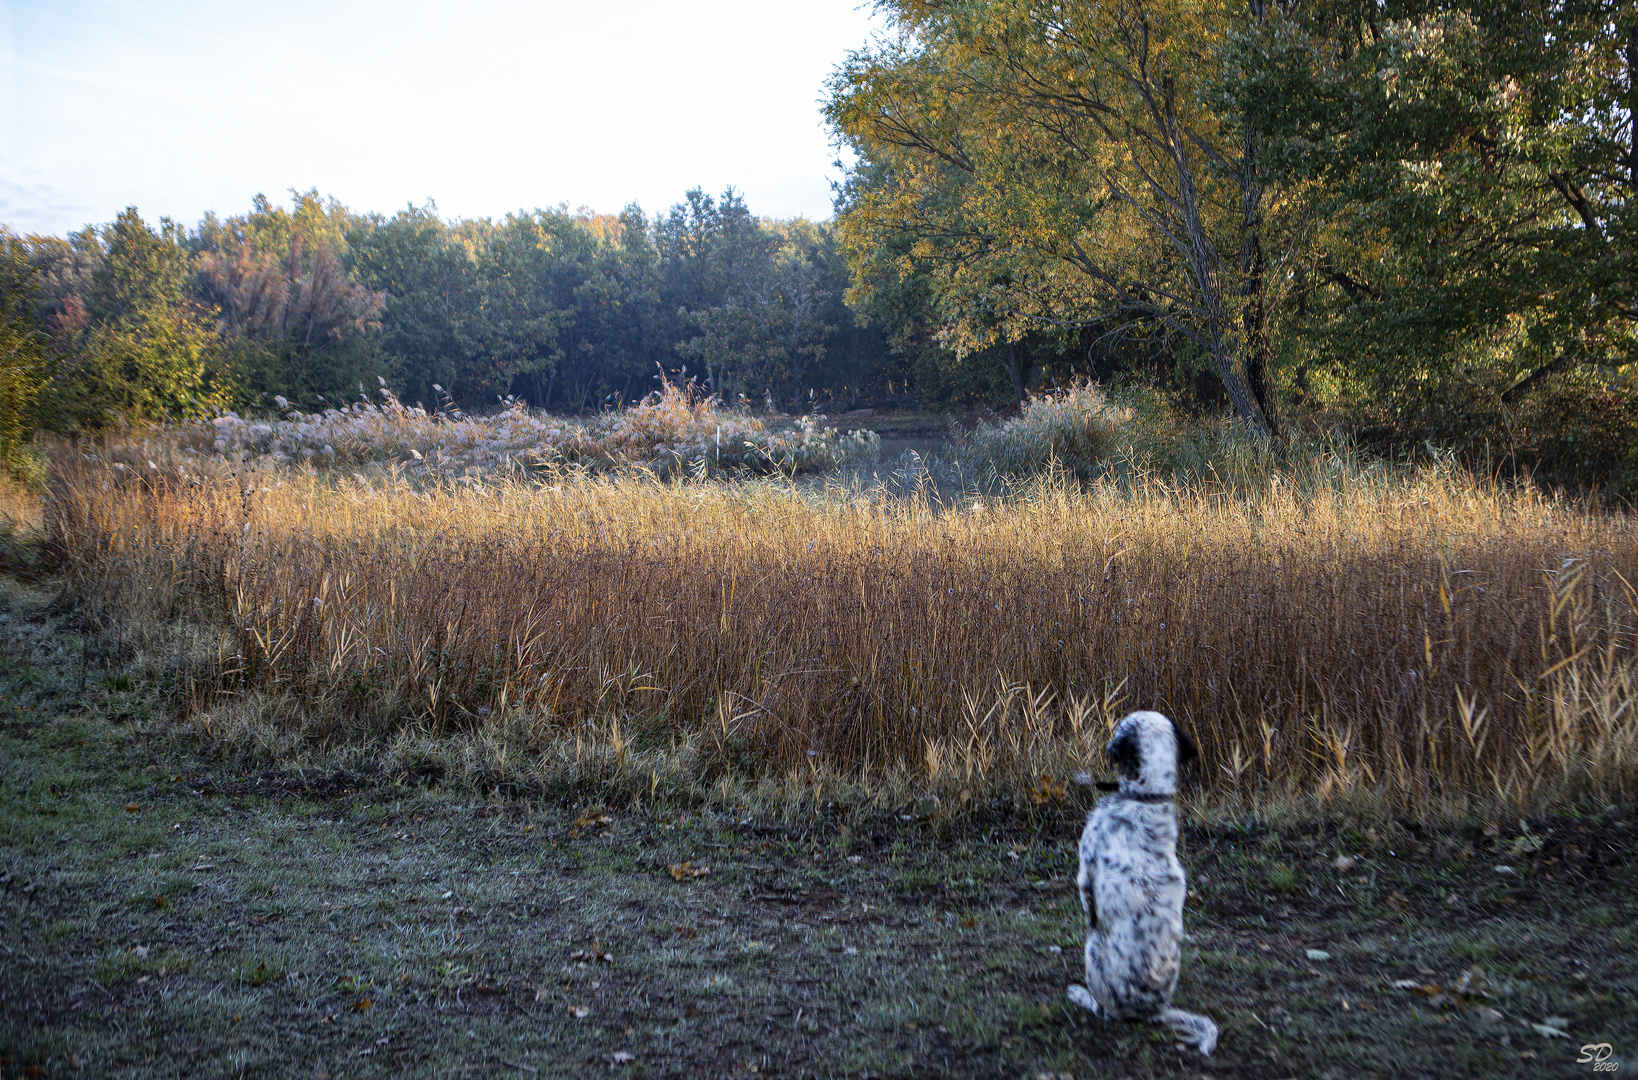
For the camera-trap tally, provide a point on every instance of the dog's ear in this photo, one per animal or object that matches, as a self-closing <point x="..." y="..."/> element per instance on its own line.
<point x="1125" y="754"/>
<point x="1186" y="750"/>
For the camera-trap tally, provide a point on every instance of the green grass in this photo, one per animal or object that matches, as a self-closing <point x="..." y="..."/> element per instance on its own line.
<point x="328" y="925"/>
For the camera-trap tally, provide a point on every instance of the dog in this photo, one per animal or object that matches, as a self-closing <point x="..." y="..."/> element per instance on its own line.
<point x="1132" y="886"/>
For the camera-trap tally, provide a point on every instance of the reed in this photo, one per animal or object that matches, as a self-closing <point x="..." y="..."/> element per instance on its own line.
<point x="1420" y="641"/>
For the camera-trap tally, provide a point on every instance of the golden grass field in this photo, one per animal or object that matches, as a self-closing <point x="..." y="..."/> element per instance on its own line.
<point x="1333" y="634"/>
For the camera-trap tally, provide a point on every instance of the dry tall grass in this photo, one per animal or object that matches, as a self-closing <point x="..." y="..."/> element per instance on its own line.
<point x="1424" y="641"/>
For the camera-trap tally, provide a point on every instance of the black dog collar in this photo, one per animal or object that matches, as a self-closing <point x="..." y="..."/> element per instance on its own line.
<point x="1105" y="785"/>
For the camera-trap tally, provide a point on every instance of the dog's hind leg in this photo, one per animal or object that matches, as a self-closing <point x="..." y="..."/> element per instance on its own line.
<point x="1191" y="1028"/>
<point x="1097" y="983"/>
<point x="1083" y="882"/>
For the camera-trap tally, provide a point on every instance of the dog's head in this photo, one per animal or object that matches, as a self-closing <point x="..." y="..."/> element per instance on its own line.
<point x="1147" y="751"/>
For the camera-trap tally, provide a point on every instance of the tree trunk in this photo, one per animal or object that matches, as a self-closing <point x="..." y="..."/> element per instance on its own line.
<point x="1253" y="267"/>
<point x="1018" y="368"/>
<point x="1206" y="266"/>
<point x="1254" y="310"/>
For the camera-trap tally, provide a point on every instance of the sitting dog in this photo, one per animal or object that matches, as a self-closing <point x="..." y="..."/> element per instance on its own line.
<point x="1132" y="885"/>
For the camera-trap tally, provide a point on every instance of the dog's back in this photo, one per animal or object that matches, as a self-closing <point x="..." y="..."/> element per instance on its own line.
<point x="1129" y="852"/>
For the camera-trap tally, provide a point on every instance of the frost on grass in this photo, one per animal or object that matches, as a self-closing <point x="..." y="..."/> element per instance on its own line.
<point x="670" y="432"/>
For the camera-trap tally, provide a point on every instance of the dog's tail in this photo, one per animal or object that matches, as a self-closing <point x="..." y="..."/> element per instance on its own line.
<point x="1196" y="1030"/>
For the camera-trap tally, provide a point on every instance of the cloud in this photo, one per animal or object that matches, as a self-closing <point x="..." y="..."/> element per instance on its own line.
<point x="35" y="206"/>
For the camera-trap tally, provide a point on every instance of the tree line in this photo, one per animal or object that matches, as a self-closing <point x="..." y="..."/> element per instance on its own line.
<point x="570" y="311"/>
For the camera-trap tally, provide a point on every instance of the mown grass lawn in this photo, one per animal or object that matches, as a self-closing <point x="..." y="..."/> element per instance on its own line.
<point x="161" y="917"/>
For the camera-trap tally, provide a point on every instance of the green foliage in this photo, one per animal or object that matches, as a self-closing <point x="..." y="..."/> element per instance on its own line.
<point x="1470" y="171"/>
<point x="22" y="353"/>
<point x="1059" y="168"/>
<point x="137" y="344"/>
<point x="573" y="311"/>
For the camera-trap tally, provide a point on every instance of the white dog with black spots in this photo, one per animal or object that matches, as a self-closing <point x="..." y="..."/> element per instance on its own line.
<point x="1132" y="886"/>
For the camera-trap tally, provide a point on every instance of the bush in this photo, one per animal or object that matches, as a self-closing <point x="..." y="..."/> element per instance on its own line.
<point x="1576" y="429"/>
<point x="1079" y="430"/>
<point x="668" y="433"/>
<point x="1133" y="432"/>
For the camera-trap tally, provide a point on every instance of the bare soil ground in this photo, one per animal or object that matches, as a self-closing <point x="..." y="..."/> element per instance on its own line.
<point x="162" y="917"/>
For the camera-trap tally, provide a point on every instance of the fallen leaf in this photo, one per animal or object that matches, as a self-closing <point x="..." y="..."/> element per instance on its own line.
<point x="579" y="1012"/>
<point x="1489" y="1015"/>
<point x="1527" y="844"/>
<point x="1343" y="863"/>
<point x="362" y="1004"/>
<point x="75" y="1061"/>
<point x="141" y="951"/>
<point x="204" y="866"/>
<point x="1473" y="983"/>
<point x="684" y="870"/>
<point x="133" y="808"/>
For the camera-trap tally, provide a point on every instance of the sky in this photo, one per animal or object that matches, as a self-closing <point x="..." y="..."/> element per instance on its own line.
<point x="179" y="106"/>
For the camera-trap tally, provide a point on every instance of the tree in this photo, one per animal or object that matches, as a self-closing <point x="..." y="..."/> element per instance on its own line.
<point x="139" y="343"/>
<point x="22" y="352"/>
<point x="429" y="277"/>
<point x="1060" y="165"/>
<point x="288" y="299"/>
<point x="1475" y="166"/>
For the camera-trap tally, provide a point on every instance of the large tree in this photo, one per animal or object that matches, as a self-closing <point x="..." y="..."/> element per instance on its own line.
<point x="1475" y="165"/>
<point x="1066" y="165"/>
<point x="287" y="298"/>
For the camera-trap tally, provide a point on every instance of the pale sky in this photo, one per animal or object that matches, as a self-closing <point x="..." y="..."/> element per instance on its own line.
<point x="183" y="106"/>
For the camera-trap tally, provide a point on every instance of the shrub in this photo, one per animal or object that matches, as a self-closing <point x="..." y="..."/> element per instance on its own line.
<point x="668" y="433"/>
<point x="1079" y="429"/>
<point x="1130" y="433"/>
